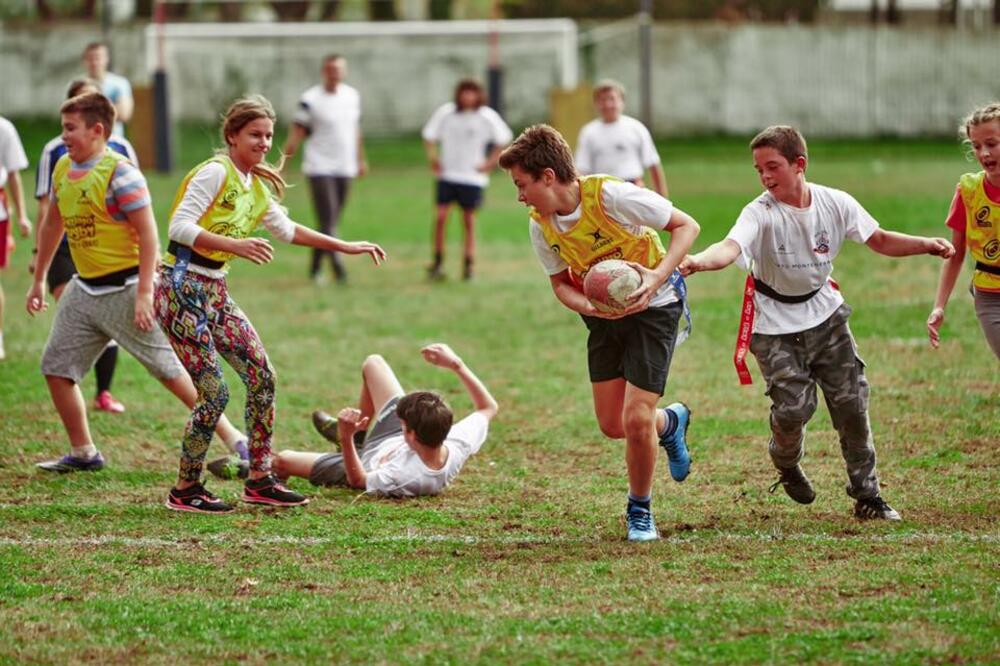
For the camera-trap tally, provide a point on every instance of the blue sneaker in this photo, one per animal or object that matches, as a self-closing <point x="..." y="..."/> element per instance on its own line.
<point x="68" y="464"/>
<point x="641" y="526"/>
<point x="675" y="443"/>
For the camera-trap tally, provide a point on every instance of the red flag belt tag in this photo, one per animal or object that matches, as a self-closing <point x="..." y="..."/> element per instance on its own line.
<point x="746" y="330"/>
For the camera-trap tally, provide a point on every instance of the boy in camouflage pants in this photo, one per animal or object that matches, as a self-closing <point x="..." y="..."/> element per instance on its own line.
<point x="787" y="238"/>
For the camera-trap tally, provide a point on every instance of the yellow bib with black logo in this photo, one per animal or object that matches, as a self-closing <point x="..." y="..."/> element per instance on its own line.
<point x="236" y="211"/>
<point x="99" y="244"/>
<point x="596" y="237"/>
<point x="981" y="236"/>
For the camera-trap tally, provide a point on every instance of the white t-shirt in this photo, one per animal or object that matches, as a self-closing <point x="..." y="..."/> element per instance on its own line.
<point x="792" y="250"/>
<point x="333" y="122"/>
<point x="201" y="191"/>
<point x="115" y="88"/>
<point x="395" y="470"/>
<point x="631" y="207"/>
<point x="623" y="148"/>
<point x="12" y="156"/>
<point x="465" y="137"/>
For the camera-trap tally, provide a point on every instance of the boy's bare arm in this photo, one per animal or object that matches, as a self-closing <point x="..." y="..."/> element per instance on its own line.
<point x="43" y="209"/>
<point x="715" y="257"/>
<point x="17" y="194"/>
<point x="144" y="224"/>
<point x="443" y="356"/>
<point x="895" y="244"/>
<point x="431" y="150"/>
<point x="349" y="421"/>
<point x="570" y="295"/>
<point x="50" y="231"/>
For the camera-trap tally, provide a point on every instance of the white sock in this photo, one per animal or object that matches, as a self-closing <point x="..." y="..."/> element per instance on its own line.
<point x="84" y="452"/>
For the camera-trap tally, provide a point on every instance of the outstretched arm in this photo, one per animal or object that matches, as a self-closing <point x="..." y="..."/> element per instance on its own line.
<point x="443" y="356"/>
<point x="715" y="257"/>
<point x="683" y="231"/>
<point x="949" y="275"/>
<point x="310" y="238"/>
<point x="895" y="244"/>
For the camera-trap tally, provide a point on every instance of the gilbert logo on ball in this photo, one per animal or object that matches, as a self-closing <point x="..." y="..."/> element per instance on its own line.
<point x="608" y="284"/>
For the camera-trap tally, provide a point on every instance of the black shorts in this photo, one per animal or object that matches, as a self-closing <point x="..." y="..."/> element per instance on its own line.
<point x="638" y="347"/>
<point x="469" y="197"/>
<point x="62" y="268"/>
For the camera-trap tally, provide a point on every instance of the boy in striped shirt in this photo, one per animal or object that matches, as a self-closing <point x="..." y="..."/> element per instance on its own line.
<point x="101" y="201"/>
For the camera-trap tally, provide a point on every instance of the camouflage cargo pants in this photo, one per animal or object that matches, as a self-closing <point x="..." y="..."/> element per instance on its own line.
<point x="792" y="365"/>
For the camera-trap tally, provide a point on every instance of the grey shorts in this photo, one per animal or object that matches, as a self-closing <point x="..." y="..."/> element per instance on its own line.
<point x="328" y="470"/>
<point x="988" y="313"/>
<point x="84" y="325"/>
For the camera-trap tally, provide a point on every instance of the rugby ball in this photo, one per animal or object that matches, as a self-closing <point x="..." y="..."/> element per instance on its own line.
<point x="608" y="284"/>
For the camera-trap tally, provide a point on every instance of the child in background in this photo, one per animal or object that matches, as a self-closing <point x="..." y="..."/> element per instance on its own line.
<point x="102" y="203"/>
<point x="616" y="144"/>
<point x="575" y="222"/>
<point x="62" y="268"/>
<point x="787" y="238"/>
<point x="218" y="205"/>
<point x="974" y="220"/>
<point x="12" y="162"/>
<point x="463" y="140"/>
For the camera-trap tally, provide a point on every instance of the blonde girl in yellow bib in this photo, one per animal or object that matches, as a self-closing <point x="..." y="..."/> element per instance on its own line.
<point x="974" y="220"/>
<point x="219" y="205"/>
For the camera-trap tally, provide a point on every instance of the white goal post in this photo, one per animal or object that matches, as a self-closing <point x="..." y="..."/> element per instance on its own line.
<point x="403" y="69"/>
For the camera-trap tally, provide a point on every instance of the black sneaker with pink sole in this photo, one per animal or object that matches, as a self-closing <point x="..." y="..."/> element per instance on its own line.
<point x="269" y="490"/>
<point x="196" y="500"/>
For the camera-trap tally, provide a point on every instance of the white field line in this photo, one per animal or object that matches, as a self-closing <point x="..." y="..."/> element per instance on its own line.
<point x="458" y="539"/>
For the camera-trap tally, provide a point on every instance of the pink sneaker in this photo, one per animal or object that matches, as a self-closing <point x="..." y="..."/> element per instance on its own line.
<point x="107" y="403"/>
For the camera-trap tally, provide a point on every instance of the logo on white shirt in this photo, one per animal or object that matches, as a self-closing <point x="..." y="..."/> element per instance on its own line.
<point x="822" y="242"/>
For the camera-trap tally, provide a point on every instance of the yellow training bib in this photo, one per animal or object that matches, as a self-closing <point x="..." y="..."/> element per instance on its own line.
<point x="982" y="217"/>
<point x="236" y="211"/>
<point x="99" y="244"/>
<point x="596" y="237"/>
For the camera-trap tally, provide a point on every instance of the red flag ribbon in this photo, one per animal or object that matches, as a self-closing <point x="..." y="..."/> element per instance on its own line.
<point x="743" y="336"/>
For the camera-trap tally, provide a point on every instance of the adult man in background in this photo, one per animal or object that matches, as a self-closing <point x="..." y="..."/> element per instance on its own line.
<point x="329" y="114"/>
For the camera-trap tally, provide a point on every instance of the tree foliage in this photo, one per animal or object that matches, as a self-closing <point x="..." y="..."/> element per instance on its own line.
<point x="768" y="10"/>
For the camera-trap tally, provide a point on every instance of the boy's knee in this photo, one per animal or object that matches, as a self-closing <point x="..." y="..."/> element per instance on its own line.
<point x="374" y="363"/>
<point x="278" y="461"/>
<point x="637" y="422"/>
<point x="612" y="429"/>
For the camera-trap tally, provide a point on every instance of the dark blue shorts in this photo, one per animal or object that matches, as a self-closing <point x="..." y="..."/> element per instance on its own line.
<point x="469" y="197"/>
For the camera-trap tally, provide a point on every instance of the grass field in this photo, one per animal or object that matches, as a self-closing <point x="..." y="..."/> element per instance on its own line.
<point x="523" y="559"/>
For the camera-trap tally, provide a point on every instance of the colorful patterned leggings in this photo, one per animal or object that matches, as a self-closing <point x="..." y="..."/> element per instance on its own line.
<point x="202" y="324"/>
